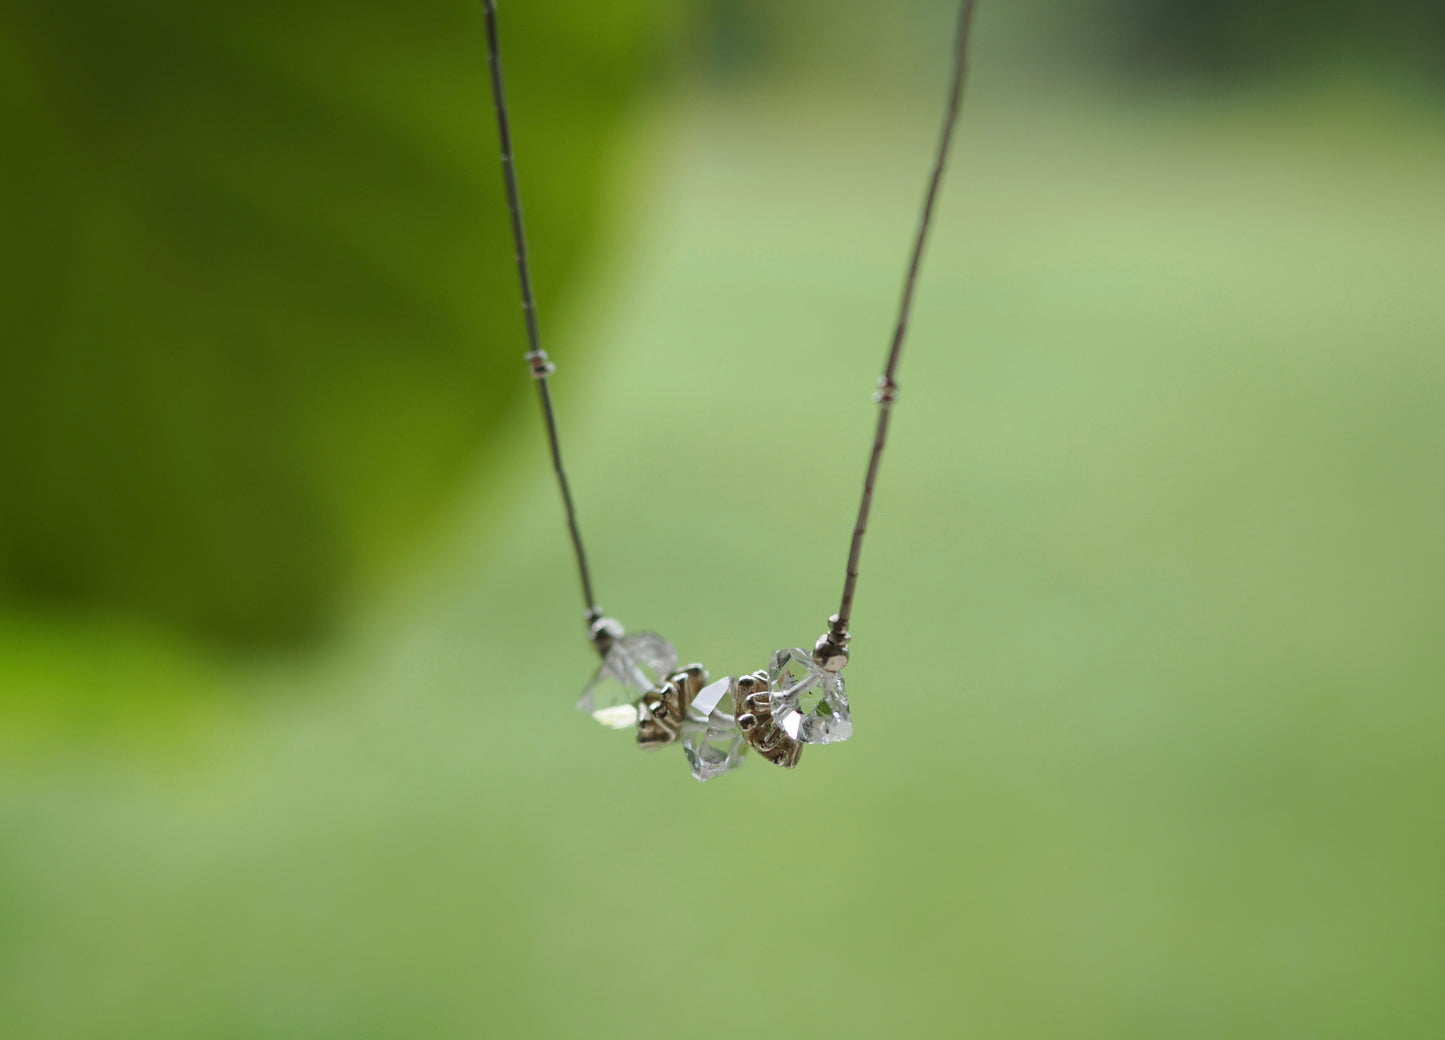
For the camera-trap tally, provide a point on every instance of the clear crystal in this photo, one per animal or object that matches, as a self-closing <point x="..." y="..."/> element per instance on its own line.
<point x="808" y="702"/>
<point x="634" y="664"/>
<point x="710" y="736"/>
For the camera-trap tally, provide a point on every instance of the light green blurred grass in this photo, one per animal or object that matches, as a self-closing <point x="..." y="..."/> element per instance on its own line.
<point x="1147" y="660"/>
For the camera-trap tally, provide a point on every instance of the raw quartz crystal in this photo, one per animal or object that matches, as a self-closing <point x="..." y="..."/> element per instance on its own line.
<point x="632" y="665"/>
<point x="711" y="739"/>
<point x="808" y="702"/>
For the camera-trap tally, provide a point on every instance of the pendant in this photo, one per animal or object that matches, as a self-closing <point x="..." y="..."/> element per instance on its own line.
<point x="800" y="698"/>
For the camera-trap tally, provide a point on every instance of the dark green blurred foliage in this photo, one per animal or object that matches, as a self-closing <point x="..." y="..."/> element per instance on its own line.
<point x="257" y="293"/>
<point x="1233" y="39"/>
<point x="1242" y="37"/>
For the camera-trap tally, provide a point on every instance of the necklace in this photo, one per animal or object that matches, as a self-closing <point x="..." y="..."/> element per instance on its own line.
<point x="800" y="698"/>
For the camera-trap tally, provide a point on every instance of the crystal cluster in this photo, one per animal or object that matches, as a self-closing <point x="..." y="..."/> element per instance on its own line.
<point x="799" y="699"/>
<point x="631" y="666"/>
<point x="711" y="739"/>
<point x="807" y="701"/>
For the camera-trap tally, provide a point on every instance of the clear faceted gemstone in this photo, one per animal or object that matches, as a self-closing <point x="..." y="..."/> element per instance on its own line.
<point x="710" y="735"/>
<point x="634" y="664"/>
<point x="808" y="702"/>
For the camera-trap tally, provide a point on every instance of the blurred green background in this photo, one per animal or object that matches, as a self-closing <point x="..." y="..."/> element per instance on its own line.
<point x="1148" y="668"/>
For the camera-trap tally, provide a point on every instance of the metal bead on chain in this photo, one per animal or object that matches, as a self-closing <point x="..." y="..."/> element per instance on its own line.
<point x="603" y="631"/>
<point x="831" y="649"/>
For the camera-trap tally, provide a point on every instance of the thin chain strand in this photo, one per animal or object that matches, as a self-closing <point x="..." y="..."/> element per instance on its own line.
<point x="540" y="367"/>
<point x="887" y="386"/>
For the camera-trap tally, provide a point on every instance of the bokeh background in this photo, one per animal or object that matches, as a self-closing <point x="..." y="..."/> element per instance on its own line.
<point x="1148" y="659"/>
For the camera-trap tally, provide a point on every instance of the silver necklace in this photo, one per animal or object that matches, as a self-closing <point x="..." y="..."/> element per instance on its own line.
<point x="800" y="698"/>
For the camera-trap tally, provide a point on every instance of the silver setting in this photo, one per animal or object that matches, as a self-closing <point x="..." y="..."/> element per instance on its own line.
<point x="662" y="711"/>
<point x="755" y="719"/>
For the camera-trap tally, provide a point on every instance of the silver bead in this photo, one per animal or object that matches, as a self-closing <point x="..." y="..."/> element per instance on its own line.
<point x="830" y="657"/>
<point x="604" y="631"/>
<point x="831" y="649"/>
